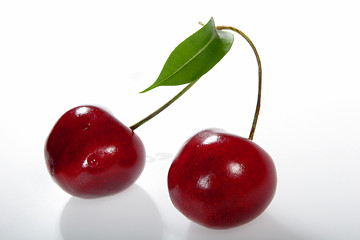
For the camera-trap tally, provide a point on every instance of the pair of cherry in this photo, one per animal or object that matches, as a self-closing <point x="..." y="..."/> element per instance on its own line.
<point x="218" y="180"/>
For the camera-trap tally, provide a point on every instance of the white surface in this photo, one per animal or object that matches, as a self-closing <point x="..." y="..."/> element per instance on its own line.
<point x="55" y="55"/>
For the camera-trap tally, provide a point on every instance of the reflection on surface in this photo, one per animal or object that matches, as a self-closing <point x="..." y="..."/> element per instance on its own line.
<point x="81" y="111"/>
<point x="204" y="182"/>
<point x="235" y="169"/>
<point x="264" y="227"/>
<point x="210" y="139"/>
<point x="131" y="214"/>
<point x="91" y="159"/>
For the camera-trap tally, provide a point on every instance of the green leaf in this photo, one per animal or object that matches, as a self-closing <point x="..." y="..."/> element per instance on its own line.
<point x="195" y="56"/>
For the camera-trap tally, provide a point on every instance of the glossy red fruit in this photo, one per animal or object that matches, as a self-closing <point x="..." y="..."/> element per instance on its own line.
<point x="220" y="180"/>
<point x="90" y="154"/>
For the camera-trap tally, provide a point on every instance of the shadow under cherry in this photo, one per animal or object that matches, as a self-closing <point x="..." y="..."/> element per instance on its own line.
<point x="264" y="227"/>
<point x="131" y="214"/>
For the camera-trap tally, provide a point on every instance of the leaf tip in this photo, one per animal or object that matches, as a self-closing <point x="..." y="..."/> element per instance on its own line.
<point x="147" y="89"/>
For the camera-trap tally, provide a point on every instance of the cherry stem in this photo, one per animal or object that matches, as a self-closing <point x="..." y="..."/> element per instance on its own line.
<point x="257" y="110"/>
<point x="141" y="122"/>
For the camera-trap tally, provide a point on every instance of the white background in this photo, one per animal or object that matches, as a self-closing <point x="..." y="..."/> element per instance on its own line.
<point x="56" y="55"/>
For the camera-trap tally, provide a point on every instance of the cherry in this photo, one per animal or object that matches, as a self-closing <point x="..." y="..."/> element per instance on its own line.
<point x="220" y="180"/>
<point x="89" y="153"/>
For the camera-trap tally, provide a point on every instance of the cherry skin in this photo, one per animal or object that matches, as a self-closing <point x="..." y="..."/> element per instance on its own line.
<point x="90" y="154"/>
<point x="220" y="180"/>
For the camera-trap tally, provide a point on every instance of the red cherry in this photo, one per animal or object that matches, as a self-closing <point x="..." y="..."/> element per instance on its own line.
<point x="220" y="180"/>
<point x="90" y="154"/>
